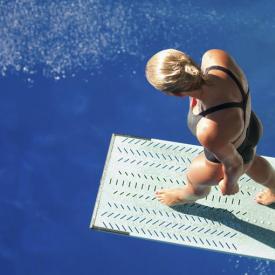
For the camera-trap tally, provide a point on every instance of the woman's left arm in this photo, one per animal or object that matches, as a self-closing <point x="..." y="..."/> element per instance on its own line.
<point x="232" y="165"/>
<point x="218" y="141"/>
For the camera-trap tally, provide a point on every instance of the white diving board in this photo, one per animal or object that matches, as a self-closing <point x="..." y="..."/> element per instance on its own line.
<point x="126" y="204"/>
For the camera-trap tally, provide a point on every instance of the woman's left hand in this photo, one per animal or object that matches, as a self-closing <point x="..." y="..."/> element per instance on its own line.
<point x="228" y="188"/>
<point x="229" y="183"/>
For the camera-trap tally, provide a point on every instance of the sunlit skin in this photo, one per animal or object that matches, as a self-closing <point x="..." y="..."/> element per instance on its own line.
<point x="188" y="194"/>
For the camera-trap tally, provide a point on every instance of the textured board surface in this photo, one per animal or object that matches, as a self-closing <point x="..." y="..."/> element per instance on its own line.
<point x="135" y="168"/>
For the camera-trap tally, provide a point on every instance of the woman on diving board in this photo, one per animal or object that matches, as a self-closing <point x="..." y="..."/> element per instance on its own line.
<point x="220" y="117"/>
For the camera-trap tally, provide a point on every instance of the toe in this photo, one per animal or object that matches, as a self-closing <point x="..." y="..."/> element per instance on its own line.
<point x="261" y="202"/>
<point x="262" y="199"/>
<point x="260" y="195"/>
<point x="258" y="200"/>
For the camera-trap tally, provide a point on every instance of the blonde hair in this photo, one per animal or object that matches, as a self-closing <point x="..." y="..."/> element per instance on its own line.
<point x="173" y="71"/>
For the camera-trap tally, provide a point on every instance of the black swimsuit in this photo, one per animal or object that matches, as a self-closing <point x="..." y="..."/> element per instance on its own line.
<point x="253" y="132"/>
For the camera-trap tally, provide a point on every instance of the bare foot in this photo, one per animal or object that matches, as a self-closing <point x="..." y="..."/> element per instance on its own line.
<point x="175" y="196"/>
<point x="266" y="197"/>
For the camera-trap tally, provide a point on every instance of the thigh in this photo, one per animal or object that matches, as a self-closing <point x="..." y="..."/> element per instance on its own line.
<point x="204" y="172"/>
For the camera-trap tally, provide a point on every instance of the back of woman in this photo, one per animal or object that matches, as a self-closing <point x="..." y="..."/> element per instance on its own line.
<point x="224" y="89"/>
<point x="221" y="118"/>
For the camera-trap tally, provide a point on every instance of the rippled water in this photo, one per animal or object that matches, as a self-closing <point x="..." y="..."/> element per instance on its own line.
<point x="60" y="39"/>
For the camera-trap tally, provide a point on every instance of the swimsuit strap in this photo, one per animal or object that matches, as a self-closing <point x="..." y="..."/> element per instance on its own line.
<point x="216" y="67"/>
<point x="229" y="104"/>
<point x="220" y="107"/>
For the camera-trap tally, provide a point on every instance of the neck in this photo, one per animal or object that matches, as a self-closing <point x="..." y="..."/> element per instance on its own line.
<point x="198" y="93"/>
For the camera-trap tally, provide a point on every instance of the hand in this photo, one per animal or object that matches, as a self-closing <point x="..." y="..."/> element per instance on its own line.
<point x="229" y="183"/>
<point x="228" y="188"/>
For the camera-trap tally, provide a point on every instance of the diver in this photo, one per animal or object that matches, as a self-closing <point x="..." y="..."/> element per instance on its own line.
<point x="220" y="117"/>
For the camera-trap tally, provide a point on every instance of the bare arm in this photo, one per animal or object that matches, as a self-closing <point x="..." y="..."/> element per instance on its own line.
<point x="217" y="139"/>
<point x="232" y="164"/>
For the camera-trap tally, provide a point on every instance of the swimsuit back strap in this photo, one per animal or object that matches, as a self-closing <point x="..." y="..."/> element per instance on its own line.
<point x="216" y="67"/>
<point x="230" y="104"/>
<point x="220" y="107"/>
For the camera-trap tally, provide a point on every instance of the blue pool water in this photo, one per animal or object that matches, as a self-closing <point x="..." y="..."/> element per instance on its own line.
<point x="72" y="73"/>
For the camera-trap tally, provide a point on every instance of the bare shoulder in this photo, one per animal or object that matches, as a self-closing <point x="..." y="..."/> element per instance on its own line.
<point x="216" y="53"/>
<point x="219" y="130"/>
<point x="216" y="57"/>
<point x="220" y="57"/>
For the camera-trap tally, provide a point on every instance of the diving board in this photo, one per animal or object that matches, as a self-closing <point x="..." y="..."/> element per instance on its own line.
<point x="126" y="204"/>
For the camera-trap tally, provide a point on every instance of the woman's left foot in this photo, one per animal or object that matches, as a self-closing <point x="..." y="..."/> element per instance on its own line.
<point x="266" y="197"/>
<point x="175" y="196"/>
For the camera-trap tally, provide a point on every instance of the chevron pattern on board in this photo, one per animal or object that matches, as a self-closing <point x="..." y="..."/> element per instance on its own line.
<point x="136" y="167"/>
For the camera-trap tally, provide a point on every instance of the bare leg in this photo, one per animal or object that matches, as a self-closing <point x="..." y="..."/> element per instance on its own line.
<point x="187" y="194"/>
<point x="262" y="172"/>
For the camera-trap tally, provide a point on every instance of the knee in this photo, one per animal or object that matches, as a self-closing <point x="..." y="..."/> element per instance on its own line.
<point x="198" y="189"/>
<point x="204" y="177"/>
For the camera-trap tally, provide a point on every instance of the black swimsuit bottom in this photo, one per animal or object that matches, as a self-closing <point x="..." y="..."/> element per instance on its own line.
<point x="253" y="135"/>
